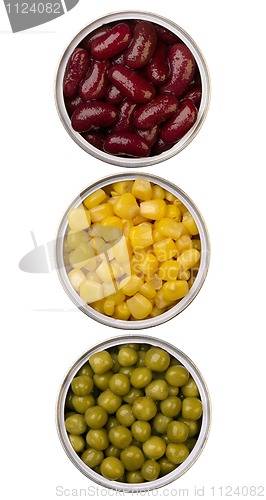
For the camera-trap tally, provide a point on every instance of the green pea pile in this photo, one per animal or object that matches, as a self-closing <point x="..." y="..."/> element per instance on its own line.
<point x="133" y="413"/>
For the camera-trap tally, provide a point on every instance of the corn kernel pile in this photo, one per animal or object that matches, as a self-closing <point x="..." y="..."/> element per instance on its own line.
<point x="132" y="250"/>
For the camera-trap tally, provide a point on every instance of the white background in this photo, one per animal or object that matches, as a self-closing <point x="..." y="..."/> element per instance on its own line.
<point x="222" y="170"/>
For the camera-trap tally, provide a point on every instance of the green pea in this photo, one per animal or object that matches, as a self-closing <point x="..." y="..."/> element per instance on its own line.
<point x="127" y="356"/>
<point x="112" y="468"/>
<point x="96" y="417"/>
<point x="157" y="390"/>
<point x="86" y="370"/>
<point x="77" y="442"/>
<point x="132" y="458"/>
<point x="119" y="384"/>
<point x="82" y="403"/>
<point x="177" y="453"/>
<point x="97" y="439"/>
<point x="193" y="426"/>
<point x="154" y="447"/>
<point x="135" y="347"/>
<point x="111" y="422"/>
<point x="109" y="401"/>
<point x="120" y="436"/>
<point x="112" y="451"/>
<point x="165" y="466"/>
<point x="134" y="477"/>
<point x="92" y="458"/>
<point x="116" y="364"/>
<point x="75" y="424"/>
<point x="82" y="385"/>
<point x="144" y="408"/>
<point x="101" y="362"/>
<point x="157" y="359"/>
<point x="127" y="370"/>
<point x="125" y="415"/>
<point x="171" y="406"/>
<point x="133" y="394"/>
<point x="150" y="470"/>
<point x="160" y="423"/>
<point x="141" y="360"/>
<point x="190" y="388"/>
<point x="177" y="375"/>
<point x="192" y="408"/>
<point x="172" y="390"/>
<point x="102" y="381"/>
<point x="177" y="432"/>
<point x="141" y="430"/>
<point x="68" y="403"/>
<point x="140" y="377"/>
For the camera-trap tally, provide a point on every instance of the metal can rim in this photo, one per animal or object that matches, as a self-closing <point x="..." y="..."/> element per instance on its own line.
<point x="206" y="417"/>
<point x="204" y="74"/>
<point x="180" y="306"/>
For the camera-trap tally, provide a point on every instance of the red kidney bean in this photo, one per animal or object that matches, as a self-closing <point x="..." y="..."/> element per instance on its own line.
<point x="94" y="114"/>
<point x="113" y="95"/>
<point x="87" y="41"/>
<point x="95" y="83"/>
<point x="128" y="144"/>
<point x="177" y="126"/>
<point x="157" y="111"/>
<point x="157" y="69"/>
<point x="111" y="43"/>
<point x="131" y="84"/>
<point x="150" y="135"/>
<point x="76" y="69"/>
<point x="73" y="103"/>
<point x="160" y="146"/>
<point x="166" y="36"/>
<point x="124" y="123"/>
<point x="142" y="46"/>
<point x="193" y="94"/>
<point x="182" y="68"/>
<point x="95" y="138"/>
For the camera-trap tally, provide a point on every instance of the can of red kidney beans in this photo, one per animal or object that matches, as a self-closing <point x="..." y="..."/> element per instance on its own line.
<point x="203" y="76"/>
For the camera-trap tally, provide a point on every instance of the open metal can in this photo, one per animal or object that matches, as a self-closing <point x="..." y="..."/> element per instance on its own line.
<point x="123" y="161"/>
<point x="175" y="309"/>
<point x="203" y="395"/>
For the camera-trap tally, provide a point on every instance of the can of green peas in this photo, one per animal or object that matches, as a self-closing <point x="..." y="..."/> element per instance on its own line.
<point x="170" y="467"/>
<point x="125" y="266"/>
<point x="175" y="65"/>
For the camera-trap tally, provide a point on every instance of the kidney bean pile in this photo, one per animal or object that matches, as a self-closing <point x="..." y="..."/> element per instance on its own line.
<point x="132" y="89"/>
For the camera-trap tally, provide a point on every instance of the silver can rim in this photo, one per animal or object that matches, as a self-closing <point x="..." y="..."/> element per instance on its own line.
<point x="180" y="306"/>
<point x="206" y="416"/>
<point x="204" y="74"/>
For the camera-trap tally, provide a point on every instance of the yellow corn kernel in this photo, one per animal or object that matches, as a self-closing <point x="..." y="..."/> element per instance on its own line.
<point x="79" y="257"/>
<point x="120" y="251"/>
<point x="165" y="249"/>
<point x="170" y="196"/>
<point x="153" y="209"/>
<point x="189" y="258"/>
<point x="109" y="288"/>
<point x="142" y="189"/>
<point x="149" y="265"/>
<point x="66" y="259"/>
<point x="155" y="281"/>
<point x="90" y="291"/>
<point x="94" y="199"/>
<point x="104" y="272"/>
<point x="112" y="222"/>
<point x="76" y="277"/>
<point x="156" y="311"/>
<point x="138" y="219"/>
<point x="196" y="244"/>
<point x="141" y="236"/>
<point x="66" y="247"/>
<point x="127" y="225"/>
<point x="118" y="297"/>
<point x="173" y="212"/>
<point x="126" y="206"/>
<point x="109" y="307"/>
<point x="91" y="264"/>
<point x="123" y="187"/>
<point x="140" y="307"/>
<point x="100" y="212"/>
<point x="113" y="200"/>
<point x="160" y="301"/>
<point x="79" y="218"/>
<point x="98" y="306"/>
<point x="120" y="269"/>
<point x="108" y="233"/>
<point x="170" y="228"/>
<point x="174" y="290"/>
<point x="74" y="238"/>
<point x="158" y="192"/>
<point x="184" y="275"/>
<point x="92" y="276"/>
<point x="180" y="205"/>
<point x="131" y="285"/>
<point x="99" y="245"/>
<point x="184" y="243"/>
<point x="157" y="235"/>
<point x="169" y="270"/>
<point x="147" y="290"/>
<point x="190" y="224"/>
<point x="122" y="311"/>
